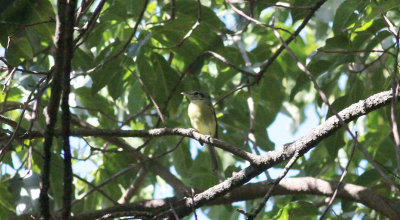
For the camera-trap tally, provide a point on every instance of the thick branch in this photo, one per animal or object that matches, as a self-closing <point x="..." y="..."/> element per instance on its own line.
<point x="61" y="37"/>
<point x="157" y="133"/>
<point x="288" y="186"/>
<point x="66" y="115"/>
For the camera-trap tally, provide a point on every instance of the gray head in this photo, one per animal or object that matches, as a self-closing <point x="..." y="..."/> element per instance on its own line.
<point x="197" y="95"/>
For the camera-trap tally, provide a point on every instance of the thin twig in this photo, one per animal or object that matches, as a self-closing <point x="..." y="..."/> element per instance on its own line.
<point x="344" y="173"/>
<point x="173" y="210"/>
<point x="119" y="52"/>
<point x="389" y="24"/>
<point x="395" y="87"/>
<point x="30" y="149"/>
<point x="241" y="13"/>
<point x="237" y="88"/>
<point x="28" y="71"/>
<point x="269" y="62"/>
<point x="283" y="5"/>
<point x="90" y="24"/>
<point x="227" y="62"/>
<point x="96" y="188"/>
<point x="134" y="116"/>
<point x="148" y="95"/>
<point x="89" y="109"/>
<point x="354" y="51"/>
<point x="21" y="27"/>
<point x="9" y="79"/>
<point x="134" y="187"/>
<point x="85" y="5"/>
<point x="370" y="64"/>
<point x="261" y="205"/>
<point x="252" y="128"/>
<point x="191" y="30"/>
<point x="80" y="178"/>
<point x="169" y="151"/>
<point x="106" y="181"/>
<point x="17" y="127"/>
<point x="250" y="103"/>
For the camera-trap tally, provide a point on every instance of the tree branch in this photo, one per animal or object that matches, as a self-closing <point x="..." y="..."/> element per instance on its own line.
<point x="289" y="186"/>
<point x="66" y="115"/>
<point x="61" y="39"/>
<point x="305" y="143"/>
<point x="268" y="63"/>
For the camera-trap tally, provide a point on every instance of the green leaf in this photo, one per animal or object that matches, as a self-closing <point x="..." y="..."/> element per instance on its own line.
<point x="201" y="174"/>
<point x="112" y="68"/>
<point x="19" y="50"/>
<point x="268" y="100"/>
<point x="7" y="200"/>
<point x="339" y="41"/>
<point x="203" y="37"/>
<point x="116" y="86"/>
<point x="385" y="6"/>
<point x="157" y="75"/>
<point x="97" y="105"/>
<point x="302" y="82"/>
<point x="318" y="161"/>
<point x="334" y="143"/>
<point x="136" y="96"/>
<point x="298" y="210"/>
<point x="234" y="116"/>
<point x="368" y="178"/>
<point x="184" y="164"/>
<point x="122" y="10"/>
<point x="189" y="9"/>
<point x="83" y="60"/>
<point x="346" y="16"/>
<point x="300" y="14"/>
<point x="223" y="212"/>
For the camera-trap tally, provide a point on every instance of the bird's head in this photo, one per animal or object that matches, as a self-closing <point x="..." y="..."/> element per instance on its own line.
<point x="197" y="95"/>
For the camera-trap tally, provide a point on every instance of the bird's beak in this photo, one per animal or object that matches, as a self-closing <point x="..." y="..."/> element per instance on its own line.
<point x="185" y="94"/>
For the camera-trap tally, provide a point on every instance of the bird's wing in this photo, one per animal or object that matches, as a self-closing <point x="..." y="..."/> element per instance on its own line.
<point x="216" y="122"/>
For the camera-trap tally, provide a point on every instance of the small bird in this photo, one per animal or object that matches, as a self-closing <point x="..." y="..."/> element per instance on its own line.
<point x="202" y="117"/>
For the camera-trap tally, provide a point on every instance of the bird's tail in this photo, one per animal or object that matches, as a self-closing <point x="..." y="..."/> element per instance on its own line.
<point x="214" y="162"/>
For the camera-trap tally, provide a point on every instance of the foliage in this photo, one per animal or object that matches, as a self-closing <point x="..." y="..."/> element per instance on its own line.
<point x="118" y="75"/>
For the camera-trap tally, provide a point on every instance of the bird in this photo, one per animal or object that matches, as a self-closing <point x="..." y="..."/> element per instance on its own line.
<point x="202" y="118"/>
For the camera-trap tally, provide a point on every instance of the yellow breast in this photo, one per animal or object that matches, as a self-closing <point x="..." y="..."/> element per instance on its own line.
<point x="202" y="117"/>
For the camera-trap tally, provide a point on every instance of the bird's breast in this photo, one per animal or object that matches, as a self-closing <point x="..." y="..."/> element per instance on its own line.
<point x="202" y="118"/>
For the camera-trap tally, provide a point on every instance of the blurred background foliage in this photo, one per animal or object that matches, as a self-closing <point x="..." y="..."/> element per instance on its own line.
<point x="346" y="46"/>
